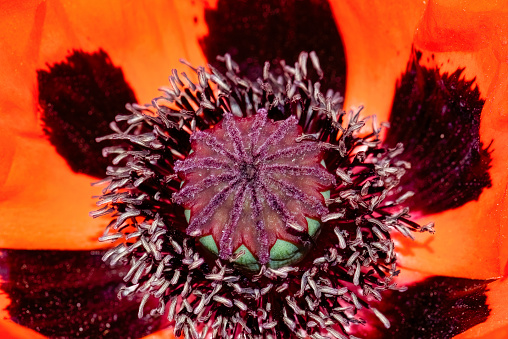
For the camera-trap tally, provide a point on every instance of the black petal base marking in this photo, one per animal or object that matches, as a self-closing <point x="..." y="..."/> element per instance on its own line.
<point x="438" y="307"/>
<point x="70" y="294"/>
<point x="255" y="31"/>
<point x="78" y="98"/>
<point x="437" y="118"/>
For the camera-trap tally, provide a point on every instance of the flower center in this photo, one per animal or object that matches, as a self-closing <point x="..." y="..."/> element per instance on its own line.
<point x="250" y="187"/>
<point x="249" y="171"/>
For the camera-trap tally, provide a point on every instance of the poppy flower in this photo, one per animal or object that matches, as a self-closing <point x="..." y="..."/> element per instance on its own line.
<point x="372" y="72"/>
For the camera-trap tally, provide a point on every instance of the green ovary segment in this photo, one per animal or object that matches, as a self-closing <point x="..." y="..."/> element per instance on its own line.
<point x="209" y="244"/>
<point x="282" y="253"/>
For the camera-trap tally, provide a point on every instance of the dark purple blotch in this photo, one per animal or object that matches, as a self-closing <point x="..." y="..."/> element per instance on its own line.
<point x="437" y="307"/>
<point x="70" y="294"/>
<point x="78" y="98"/>
<point x="437" y="117"/>
<point x="256" y="31"/>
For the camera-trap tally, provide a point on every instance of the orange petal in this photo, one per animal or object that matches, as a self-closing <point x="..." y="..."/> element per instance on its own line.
<point x="11" y="330"/>
<point x="470" y="241"/>
<point x="501" y="333"/>
<point x="467" y="26"/>
<point x="377" y="39"/>
<point x="44" y="204"/>
<point x="480" y="332"/>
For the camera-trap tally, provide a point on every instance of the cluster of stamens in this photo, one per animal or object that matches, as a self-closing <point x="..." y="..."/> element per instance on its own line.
<point x="198" y="151"/>
<point x="249" y="183"/>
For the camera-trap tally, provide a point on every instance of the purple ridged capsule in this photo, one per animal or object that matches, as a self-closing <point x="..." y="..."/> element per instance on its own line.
<point x="250" y="186"/>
